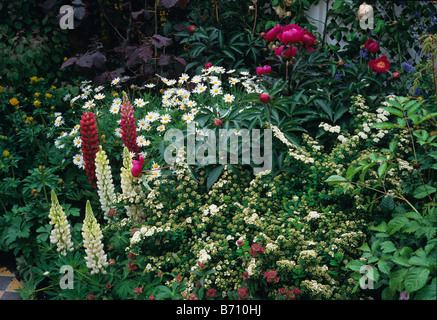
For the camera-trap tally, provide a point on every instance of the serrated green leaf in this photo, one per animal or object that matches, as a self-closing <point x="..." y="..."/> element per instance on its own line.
<point x="416" y="278"/>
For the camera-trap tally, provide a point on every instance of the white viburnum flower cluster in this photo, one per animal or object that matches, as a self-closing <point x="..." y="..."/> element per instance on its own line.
<point x="105" y="186"/>
<point x="60" y="234"/>
<point x="96" y="258"/>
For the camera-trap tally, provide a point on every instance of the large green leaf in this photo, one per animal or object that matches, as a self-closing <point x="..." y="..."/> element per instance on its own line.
<point x="416" y="278"/>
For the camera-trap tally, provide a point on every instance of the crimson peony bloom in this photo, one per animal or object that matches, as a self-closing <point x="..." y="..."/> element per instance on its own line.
<point x="264" y="97"/>
<point x="263" y="70"/>
<point x="380" y="65"/>
<point x="273" y="33"/>
<point x="218" y="122"/>
<point x="308" y="40"/>
<point x="288" y="53"/>
<point x="291" y="33"/>
<point x="192" y="29"/>
<point x="208" y="65"/>
<point x="129" y="130"/>
<point x="371" y="46"/>
<point x="90" y="144"/>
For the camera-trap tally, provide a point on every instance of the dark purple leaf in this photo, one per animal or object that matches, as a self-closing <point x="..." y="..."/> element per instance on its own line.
<point x="164" y="59"/>
<point x="136" y="14"/>
<point x="169" y="3"/>
<point x="131" y="56"/>
<point x="85" y="61"/>
<point x="77" y="3"/>
<point x="101" y="79"/>
<point x="180" y="60"/>
<point x="99" y="60"/>
<point x="68" y="62"/>
<point x="160" y="41"/>
<point x="47" y="5"/>
<point x="145" y="52"/>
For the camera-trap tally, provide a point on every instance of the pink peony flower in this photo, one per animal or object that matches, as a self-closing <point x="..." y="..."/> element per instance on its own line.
<point x="371" y="46"/>
<point x="308" y="40"/>
<point x="208" y="65"/>
<point x="137" y="166"/>
<point x="380" y="65"/>
<point x="263" y="70"/>
<point x="273" y="33"/>
<point x="287" y="53"/>
<point x="291" y="33"/>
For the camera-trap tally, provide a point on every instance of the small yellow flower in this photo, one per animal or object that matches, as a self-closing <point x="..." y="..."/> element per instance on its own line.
<point x="48" y="95"/>
<point x="1" y="89"/>
<point x="53" y="87"/>
<point x="5" y="153"/>
<point x="33" y="79"/>
<point x="14" y="101"/>
<point x="36" y="94"/>
<point x="36" y="103"/>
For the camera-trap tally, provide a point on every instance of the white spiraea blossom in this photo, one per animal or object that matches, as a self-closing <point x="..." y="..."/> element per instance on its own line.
<point x="96" y="258"/>
<point x="60" y="234"/>
<point x="105" y="186"/>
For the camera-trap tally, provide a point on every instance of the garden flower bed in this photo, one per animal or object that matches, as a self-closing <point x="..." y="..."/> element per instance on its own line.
<point x="308" y="176"/>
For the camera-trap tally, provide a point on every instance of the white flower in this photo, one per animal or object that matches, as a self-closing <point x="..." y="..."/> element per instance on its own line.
<point x="143" y="124"/>
<point x="77" y="142"/>
<point x="60" y="234"/>
<point x="166" y="118"/>
<point x="152" y="116"/>
<point x="118" y="132"/>
<point x="99" y="96"/>
<point x="161" y="128"/>
<point x="200" y="88"/>
<point x="188" y="117"/>
<point x="105" y="185"/>
<point x="114" y="109"/>
<point x="115" y="81"/>
<point x="78" y="160"/>
<point x="141" y="141"/>
<point x="140" y="103"/>
<point x="183" y="78"/>
<point x="89" y="104"/>
<point x="149" y="85"/>
<point x="59" y="121"/>
<point x="228" y="98"/>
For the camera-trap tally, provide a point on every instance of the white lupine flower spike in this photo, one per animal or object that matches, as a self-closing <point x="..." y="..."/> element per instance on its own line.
<point x="60" y="234"/>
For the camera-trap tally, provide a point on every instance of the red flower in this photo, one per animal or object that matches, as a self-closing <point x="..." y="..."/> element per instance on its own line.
<point x="380" y="65"/>
<point x="296" y="291"/>
<point x="395" y="75"/>
<point x="208" y="65"/>
<point x="151" y="297"/>
<point x="90" y="144"/>
<point x="137" y="166"/>
<point x="243" y="294"/>
<point x="371" y="46"/>
<point x="273" y="33"/>
<point x="255" y="249"/>
<point x="129" y="130"/>
<point x="211" y="293"/>
<point x="218" y="122"/>
<point x="192" y="29"/>
<point x="281" y="290"/>
<point x="264" y="97"/>
<point x="138" y="290"/>
<point x="263" y="70"/>
<point x="308" y="40"/>
<point x="271" y="276"/>
<point x="90" y="297"/>
<point x="291" y="33"/>
<point x="288" y="53"/>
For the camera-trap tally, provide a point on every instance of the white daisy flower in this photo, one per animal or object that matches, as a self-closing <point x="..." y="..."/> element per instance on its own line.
<point x="99" y="96"/>
<point x="140" y="103"/>
<point x="149" y="85"/>
<point x="141" y="141"/>
<point x="142" y="124"/>
<point x="114" y="109"/>
<point x="77" y="142"/>
<point x="59" y="121"/>
<point x="183" y="78"/>
<point x="89" y="104"/>
<point x="161" y="128"/>
<point x="78" y="159"/>
<point x="156" y="173"/>
<point x="99" y="88"/>
<point x="228" y="98"/>
<point x="152" y="116"/>
<point x="118" y="132"/>
<point x="165" y="119"/>
<point x="115" y="81"/>
<point x="188" y="117"/>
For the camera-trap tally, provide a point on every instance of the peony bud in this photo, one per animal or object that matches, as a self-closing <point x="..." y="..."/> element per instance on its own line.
<point x="218" y="122"/>
<point x="192" y="29"/>
<point x="395" y="75"/>
<point x="208" y="65"/>
<point x="264" y="97"/>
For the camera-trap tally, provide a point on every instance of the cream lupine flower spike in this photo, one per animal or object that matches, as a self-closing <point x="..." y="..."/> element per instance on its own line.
<point x="95" y="258"/>
<point x="105" y="186"/>
<point x="130" y="189"/>
<point x="60" y="234"/>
